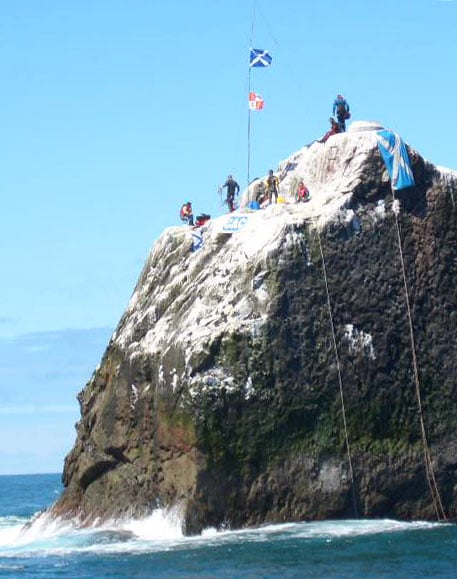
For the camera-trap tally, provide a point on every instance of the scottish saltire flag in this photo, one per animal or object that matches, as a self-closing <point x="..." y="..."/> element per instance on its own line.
<point x="197" y="239"/>
<point x="256" y="101"/>
<point x="396" y="159"/>
<point x="259" y="57"/>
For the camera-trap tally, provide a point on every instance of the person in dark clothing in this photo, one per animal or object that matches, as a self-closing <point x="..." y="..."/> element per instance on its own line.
<point x="341" y="109"/>
<point x="272" y="186"/>
<point x="232" y="189"/>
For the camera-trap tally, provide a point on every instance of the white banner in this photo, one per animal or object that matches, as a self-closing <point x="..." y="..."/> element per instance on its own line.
<point x="233" y="223"/>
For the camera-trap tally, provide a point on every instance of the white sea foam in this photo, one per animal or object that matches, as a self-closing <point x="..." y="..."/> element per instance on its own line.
<point x="10" y="529"/>
<point x="320" y="530"/>
<point x="51" y="535"/>
<point x="17" y="534"/>
<point x="162" y="531"/>
<point x="160" y="525"/>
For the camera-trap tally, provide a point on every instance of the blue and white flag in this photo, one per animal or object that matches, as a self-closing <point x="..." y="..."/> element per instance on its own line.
<point x="197" y="239"/>
<point x="396" y="159"/>
<point x="259" y="57"/>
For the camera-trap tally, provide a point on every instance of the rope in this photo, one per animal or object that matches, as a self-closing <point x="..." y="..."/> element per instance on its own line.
<point x="268" y="27"/>
<point x="252" y="23"/>
<point x="431" y="480"/>
<point x="340" y="382"/>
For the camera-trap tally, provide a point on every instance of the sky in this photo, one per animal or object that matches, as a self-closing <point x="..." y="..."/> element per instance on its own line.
<point x="115" y="112"/>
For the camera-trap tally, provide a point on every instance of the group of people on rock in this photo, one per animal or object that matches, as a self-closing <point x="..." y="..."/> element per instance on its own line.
<point x="233" y="189"/>
<point x="268" y="190"/>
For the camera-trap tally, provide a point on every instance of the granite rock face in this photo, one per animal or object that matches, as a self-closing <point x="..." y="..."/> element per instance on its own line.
<point x="219" y="391"/>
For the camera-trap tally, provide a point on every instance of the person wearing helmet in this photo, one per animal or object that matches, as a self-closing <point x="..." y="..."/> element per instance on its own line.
<point x="341" y="109"/>
<point x="232" y="189"/>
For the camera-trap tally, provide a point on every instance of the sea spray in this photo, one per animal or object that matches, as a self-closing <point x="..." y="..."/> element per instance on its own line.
<point x="361" y="549"/>
<point x="53" y="535"/>
<point x="162" y="530"/>
<point x="161" y="524"/>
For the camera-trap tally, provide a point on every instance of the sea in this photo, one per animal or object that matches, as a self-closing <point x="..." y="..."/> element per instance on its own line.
<point x="33" y="545"/>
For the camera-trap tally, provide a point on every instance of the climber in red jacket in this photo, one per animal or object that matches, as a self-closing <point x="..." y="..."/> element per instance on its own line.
<point x="186" y="214"/>
<point x="334" y="129"/>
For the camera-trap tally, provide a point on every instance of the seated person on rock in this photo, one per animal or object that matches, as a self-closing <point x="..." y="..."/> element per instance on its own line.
<point x="302" y="193"/>
<point x="334" y="129"/>
<point x="186" y="213"/>
<point x="261" y="195"/>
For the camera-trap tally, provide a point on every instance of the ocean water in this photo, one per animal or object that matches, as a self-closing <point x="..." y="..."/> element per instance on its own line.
<point x="34" y="546"/>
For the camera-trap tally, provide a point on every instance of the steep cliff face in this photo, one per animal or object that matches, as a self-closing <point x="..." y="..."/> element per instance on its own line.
<point x="221" y="389"/>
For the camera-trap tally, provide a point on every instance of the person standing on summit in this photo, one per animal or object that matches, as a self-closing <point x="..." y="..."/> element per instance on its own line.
<point x="232" y="189"/>
<point x="341" y="110"/>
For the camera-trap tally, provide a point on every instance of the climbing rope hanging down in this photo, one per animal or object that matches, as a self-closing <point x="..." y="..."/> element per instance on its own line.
<point x="431" y="480"/>
<point x="340" y="382"/>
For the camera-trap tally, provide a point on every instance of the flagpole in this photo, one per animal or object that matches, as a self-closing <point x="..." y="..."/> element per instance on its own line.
<point x="249" y="127"/>
<point x="249" y="92"/>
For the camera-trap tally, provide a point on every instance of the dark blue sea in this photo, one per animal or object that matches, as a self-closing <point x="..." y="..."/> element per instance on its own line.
<point x="34" y="546"/>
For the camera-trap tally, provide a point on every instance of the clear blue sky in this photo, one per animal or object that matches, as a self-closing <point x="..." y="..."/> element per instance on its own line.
<point x="113" y="112"/>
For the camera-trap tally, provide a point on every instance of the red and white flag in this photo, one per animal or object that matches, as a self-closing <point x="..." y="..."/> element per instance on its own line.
<point x="255" y="101"/>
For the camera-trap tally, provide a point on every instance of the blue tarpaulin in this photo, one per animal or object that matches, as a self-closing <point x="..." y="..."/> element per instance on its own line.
<point x="396" y="159"/>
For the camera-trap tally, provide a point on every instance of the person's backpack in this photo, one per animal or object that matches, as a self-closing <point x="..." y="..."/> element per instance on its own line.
<point x="181" y="214"/>
<point x="341" y="110"/>
<point x="202" y="219"/>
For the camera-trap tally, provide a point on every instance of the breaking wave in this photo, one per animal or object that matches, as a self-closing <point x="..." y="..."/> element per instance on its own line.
<point x="162" y="531"/>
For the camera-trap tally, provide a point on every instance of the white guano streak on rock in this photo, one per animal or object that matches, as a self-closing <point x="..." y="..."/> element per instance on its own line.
<point x="219" y="294"/>
<point x="216" y="281"/>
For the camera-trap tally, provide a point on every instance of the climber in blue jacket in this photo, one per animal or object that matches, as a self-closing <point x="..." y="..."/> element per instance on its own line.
<point x="341" y="110"/>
